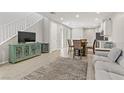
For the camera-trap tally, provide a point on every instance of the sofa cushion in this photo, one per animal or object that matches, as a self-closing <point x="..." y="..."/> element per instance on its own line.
<point x="100" y="58"/>
<point x="114" y="54"/>
<point x="109" y="67"/>
<point x="121" y="61"/>
<point x="102" y="75"/>
<point x="114" y="76"/>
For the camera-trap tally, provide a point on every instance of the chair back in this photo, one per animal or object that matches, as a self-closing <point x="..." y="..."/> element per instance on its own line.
<point x="94" y="46"/>
<point x="77" y="44"/>
<point x="83" y="40"/>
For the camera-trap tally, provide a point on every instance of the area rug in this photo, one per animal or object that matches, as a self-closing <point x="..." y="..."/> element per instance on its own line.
<point x="61" y="69"/>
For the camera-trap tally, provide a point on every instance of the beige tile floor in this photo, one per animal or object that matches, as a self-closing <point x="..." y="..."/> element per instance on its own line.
<point x="17" y="71"/>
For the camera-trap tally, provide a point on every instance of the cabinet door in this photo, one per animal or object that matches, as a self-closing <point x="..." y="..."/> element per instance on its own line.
<point x="45" y="48"/>
<point x="26" y="51"/>
<point x="18" y="52"/>
<point x="33" y="49"/>
<point x="12" y="54"/>
<point x="38" y="49"/>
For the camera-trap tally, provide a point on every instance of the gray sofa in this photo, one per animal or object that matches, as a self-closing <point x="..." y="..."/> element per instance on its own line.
<point x="109" y="66"/>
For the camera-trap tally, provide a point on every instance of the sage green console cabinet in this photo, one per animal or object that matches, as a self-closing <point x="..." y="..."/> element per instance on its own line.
<point x="19" y="52"/>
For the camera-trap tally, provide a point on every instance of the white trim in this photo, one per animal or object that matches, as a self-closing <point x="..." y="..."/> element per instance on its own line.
<point x="8" y="39"/>
<point x="3" y="62"/>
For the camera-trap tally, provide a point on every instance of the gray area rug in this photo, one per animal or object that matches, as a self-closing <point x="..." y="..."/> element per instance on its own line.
<point x="61" y="69"/>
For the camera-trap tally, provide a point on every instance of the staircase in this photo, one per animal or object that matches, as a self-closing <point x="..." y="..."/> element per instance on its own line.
<point x="10" y="30"/>
<point x="8" y="33"/>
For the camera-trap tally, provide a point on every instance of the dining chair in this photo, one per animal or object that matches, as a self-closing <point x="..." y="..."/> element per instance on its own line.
<point x="83" y="40"/>
<point x="92" y="47"/>
<point x="84" y="45"/>
<point x="77" y="48"/>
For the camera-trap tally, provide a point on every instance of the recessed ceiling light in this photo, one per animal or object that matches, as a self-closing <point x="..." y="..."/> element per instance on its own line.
<point x="77" y="16"/>
<point x="52" y="13"/>
<point x="61" y="18"/>
<point x="96" y="19"/>
<point x="98" y="12"/>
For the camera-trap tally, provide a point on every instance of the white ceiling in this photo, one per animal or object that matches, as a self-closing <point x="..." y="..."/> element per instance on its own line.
<point x="86" y="19"/>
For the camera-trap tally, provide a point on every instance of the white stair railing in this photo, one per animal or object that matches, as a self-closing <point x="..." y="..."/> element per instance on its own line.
<point x="10" y="30"/>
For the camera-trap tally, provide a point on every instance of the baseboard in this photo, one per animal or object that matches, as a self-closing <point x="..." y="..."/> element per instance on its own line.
<point x="4" y="62"/>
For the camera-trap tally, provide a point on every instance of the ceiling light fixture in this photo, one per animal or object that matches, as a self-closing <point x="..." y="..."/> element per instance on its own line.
<point x="52" y="13"/>
<point x="98" y="12"/>
<point x="77" y="16"/>
<point x="61" y="18"/>
<point x="96" y="19"/>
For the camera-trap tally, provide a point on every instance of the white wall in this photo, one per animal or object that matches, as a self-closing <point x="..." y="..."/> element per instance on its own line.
<point x="77" y="33"/>
<point x="46" y="30"/>
<point x="59" y="36"/>
<point x="118" y="30"/>
<point x="69" y="33"/>
<point x="7" y="17"/>
<point x="38" y="29"/>
<point x="53" y="36"/>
